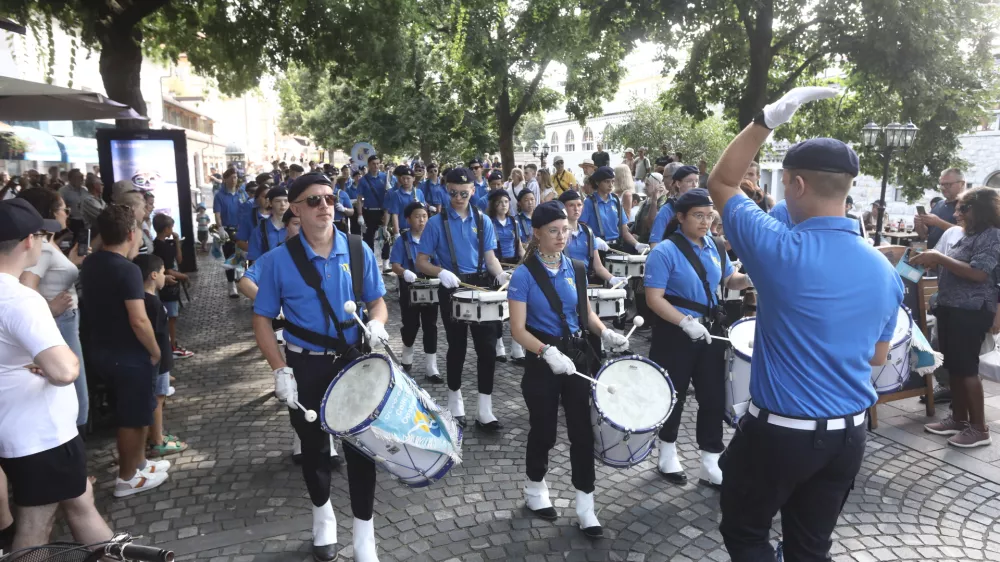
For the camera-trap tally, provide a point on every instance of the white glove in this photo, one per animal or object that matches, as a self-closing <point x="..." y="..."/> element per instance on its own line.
<point x="781" y="111"/>
<point x="361" y="220"/>
<point x="448" y="279"/>
<point x="378" y="333"/>
<point x="695" y="329"/>
<point x="339" y="207"/>
<point x="558" y="362"/>
<point x="737" y="264"/>
<point x="613" y="340"/>
<point x="502" y="278"/>
<point x="601" y="245"/>
<point x="409" y="276"/>
<point x="616" y="280"/>
<point x="284" y="384"/>
<point x="640" y="247"/>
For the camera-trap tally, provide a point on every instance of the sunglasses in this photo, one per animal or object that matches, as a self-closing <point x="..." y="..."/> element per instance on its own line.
<point x="43" y="235"/>
<point x="313" y="200"/>
<point x="965" y="207"/>
<point x="462" y="194"/>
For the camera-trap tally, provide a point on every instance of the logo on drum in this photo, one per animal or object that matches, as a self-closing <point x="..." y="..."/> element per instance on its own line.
<point x="422" y="421"/>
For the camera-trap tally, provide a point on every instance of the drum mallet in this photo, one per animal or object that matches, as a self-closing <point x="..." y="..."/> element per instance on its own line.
<point x="309" y="414"/>
<point x="352" y="309"/>
<point x="609" y="387"/>
<point x="637" y="322"/>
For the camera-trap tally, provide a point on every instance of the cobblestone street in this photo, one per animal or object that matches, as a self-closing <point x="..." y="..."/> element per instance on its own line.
<point x="235" y="495"/>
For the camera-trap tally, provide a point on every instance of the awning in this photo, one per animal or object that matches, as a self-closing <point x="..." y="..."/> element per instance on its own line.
<point x="79" y="149"/>
<point x="21" y="100"/>
<point x="39" y="145"/>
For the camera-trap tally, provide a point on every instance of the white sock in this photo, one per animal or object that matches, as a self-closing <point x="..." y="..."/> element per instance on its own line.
<point x="333" y="447"/>
<point x="364" y="540"/>
<point x="486" y="409"/>
<point x="296" y="444"/>
<point x="536" y="495"/>
<point x="407" y="357"/>
<point x="455" y="403"/>
<point x="501" y="350"/>
<point x="432" y="364"/>
<point x="585" y="510"/>
<point x="516" y="349"/>
<point x="324" y="525"/>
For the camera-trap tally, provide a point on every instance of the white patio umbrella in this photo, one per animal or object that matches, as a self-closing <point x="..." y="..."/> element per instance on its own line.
<point x="21" y="100"/>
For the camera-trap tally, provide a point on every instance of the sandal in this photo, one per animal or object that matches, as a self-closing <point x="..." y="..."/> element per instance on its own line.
<point x="170" y="446"/>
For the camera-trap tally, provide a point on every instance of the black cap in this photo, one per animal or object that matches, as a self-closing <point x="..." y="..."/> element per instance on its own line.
<point x="849" y="200"/>
<point x="475" y="161"/>
<point x="262" y="178"/>
<point x="547" y="212"/>
<point x="413" y="206"/>
<point x="683" y="172"/>
<point x="495" y="175"/>
<point x="520" y="194"/>
<point x="287" y="217"/>
<point x="822" y="155"/>
<point x="498" y="193"/>
<point x="602" y="173"/>
<point x="458" y="175"/>
<point x="697" y="197"/>
<point x="303" y="182"/>
<point x="570" y="195"/>
<point x="402" y="170"/>
<point x="277" y="192"/>
<point x="19" y="220"/>
<point x="372" y="157"/>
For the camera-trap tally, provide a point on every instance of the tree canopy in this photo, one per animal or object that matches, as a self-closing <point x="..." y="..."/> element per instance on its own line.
<point x="649" y="124"/>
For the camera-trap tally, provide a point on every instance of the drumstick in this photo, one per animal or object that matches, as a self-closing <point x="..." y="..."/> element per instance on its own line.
<point x="643" y="253"/>
<point x="619" y="252"/>
<point x="310" y="414"/>
<point x="610" y="387"/>
<point x="619" y="284"/>
<point x="473" y="287"/>
<point x="352" y="309"/>
<point x="504" y="286"/>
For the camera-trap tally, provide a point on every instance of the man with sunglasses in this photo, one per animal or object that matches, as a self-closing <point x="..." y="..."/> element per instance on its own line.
<point x="942" y="216"/>
<point x="462" y="240"/>
<point x="404" y="194"/>
<point x="435" y="194"/>
<point x="321" y="338"/>
<point x="479" y="180"/>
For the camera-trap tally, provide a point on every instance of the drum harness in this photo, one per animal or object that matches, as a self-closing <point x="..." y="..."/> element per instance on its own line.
<point x="496" y="231"/>
<point x="576" y="346"/>
<point x="713" y="317"/>
<point x="478" y="276"/>
<point x="312" y="278"/>
<point x="597" y="212"/>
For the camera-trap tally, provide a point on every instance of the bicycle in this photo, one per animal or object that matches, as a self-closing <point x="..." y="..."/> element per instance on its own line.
<point x="120" y="547"/>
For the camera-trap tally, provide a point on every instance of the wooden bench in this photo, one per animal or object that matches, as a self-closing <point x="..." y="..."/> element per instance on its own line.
<point x="927" y="287"/>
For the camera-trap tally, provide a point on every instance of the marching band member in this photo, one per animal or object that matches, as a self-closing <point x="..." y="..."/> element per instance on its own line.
<point x="372" y="192"/>
<point x="684" y="179"/>
<point x="510" y="250"/>
<point x="399" y="198"/>
<point x="481" y="184"/>
<point x="462" y="243"/>
<point x="343" y="210"/>
<point x="435" y="194"/>
<point x="270" y="230"/>
<point x="831" y="303"/>
<point x="683" y="276"/>
<point x="603" y="212"/>
<point x="494" y="183"/>
<point x="252" y="213"/>
<point x="582" y="245"/>
<point x="404" y="265"/>
<point x="550" y="285"/>
<point x="321" y="339"/>
<point x="525" y="207"/>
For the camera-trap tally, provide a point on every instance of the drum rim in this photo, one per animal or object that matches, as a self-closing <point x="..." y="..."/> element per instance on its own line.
<point x="729" y="334"/>
<point x="909" y="333"/>
<point x="612" y="423"/>
<point x="627" y="259"/>
<point x="595" y="296"/>
<point x="368" y="419"/>
<point x="474" y="300"/>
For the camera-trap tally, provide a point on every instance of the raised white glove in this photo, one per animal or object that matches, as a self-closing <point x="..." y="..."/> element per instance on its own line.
<point x="616" y="280"/>
<point x="613" y="340"/>
<point x="695" y="329"/>
<point x="339" y="207"/>
<point x="558" y="361"/>
<point x="448" y="279"/>
<point x="284" y="384"/>
<point x="601" y="245"/>
<point x="361" y="220"/>
<point x="781" y="111"/>
<point x="378" y="333"/>
<point x="640" y="247"/>
<point x="502" y="278"/>
<point x="409" y="276"/>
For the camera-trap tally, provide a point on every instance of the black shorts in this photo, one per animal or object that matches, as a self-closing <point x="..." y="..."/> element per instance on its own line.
<point x="132" y="377"/>
<point x="203" y="236"/>
<point x="960" y="335"/>
<point x="48" y="477"/>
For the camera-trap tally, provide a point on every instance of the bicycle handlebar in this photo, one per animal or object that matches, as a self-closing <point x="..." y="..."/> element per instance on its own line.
<point x="142" y="553"/>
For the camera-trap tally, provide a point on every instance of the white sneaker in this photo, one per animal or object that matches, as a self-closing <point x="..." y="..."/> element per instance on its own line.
<point x="141" y="482"/>
<point x="364" y="540"/>
<point x="155" y="467"/>
<point x="233" y="293"/>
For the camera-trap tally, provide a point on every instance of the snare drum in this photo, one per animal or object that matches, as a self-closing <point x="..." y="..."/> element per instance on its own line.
<point x="424" y="292"/>
<point x="891" y="376"/>
<point x="479" y="306"/>
<point x="738" y="356"/>
<point x="607" y="303"/>
<point x="626" y="266"/>
<point x="376" y="407"/>
<point x="626" y="422"/>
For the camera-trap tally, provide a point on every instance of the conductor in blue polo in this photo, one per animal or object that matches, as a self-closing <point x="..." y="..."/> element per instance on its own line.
<point x="310" y="277"/>
<point x="828" y="309"/>
<point x="461" y="239"/>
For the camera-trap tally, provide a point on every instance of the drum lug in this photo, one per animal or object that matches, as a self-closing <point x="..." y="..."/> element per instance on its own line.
<point x="628" y="433"/>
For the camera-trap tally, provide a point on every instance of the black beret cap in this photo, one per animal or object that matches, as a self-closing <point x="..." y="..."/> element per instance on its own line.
<point x="697" y="197"/>
<point x="413" y="206"/>
<point x="303" y="182"/>
<point x="498" y="193"/>
<point x="570" y="195"/>
<point x="287" y="217"/>
<point x="547" y="212"/>
<point x="372" y="157"/>
<point x="277" y="192"/>
<point x="822" y="155"/>
<point x="475" y="161"/>
<point x="495" y="175"/>
<point x="683" y="172"/>
<point x="402" y="170"/>
<point x="520" y="194"/>
<point x="601" y="174"/>
<point x="18" y="220"/>
<point x="458" y="175"/>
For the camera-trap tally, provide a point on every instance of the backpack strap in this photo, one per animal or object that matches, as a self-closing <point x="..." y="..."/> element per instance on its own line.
<point x="582" y="302"/>
<point x="405" y="237"/>
<point x="313" y="279"/>
<point x="265" y="244"/>
<point x="590" y="247"/>
<point x="481" y="235"/>
<point x="445" y="222"/>
<point x="544" y="283"/>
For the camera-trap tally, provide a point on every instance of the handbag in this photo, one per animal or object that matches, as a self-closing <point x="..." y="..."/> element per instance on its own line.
<point x="989" y="359"/>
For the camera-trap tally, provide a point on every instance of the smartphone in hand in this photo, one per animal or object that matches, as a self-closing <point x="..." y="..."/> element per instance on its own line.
<point x="82" y="249"/>
<point x="921" y="210"/>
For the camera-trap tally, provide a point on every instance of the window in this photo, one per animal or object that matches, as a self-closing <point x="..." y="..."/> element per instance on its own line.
<point x="570" y="141"/>
<point x="993" y="181"/>
<point x="588" y="139"/>
<point x="554" y="142"/>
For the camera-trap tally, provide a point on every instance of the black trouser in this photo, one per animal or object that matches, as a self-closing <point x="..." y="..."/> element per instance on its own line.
<point x="373" y="221"/>
<point x="313" y="374"/>
<point x="499" y="325"/>
<point x="689" y="362"/>
<point x="807" y="475"/>
<point x="484" y="340"/>
<point x="416" y="316"/>
<point x="542" y="392"/>
<point x="353" y="221"/>
<point x="228" y="249"/>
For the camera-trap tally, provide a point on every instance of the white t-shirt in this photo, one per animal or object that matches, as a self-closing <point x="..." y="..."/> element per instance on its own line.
<point x="57" y="273"/>
<point x="949" y="239"/>
<point x="35" y="415"/>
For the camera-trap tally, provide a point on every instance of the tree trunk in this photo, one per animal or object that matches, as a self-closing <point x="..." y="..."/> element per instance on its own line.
<point x="425" y="152"/>
<point x="507" y="147"/>
<point x="760" y="37"/>
<point x="121" y="66"/>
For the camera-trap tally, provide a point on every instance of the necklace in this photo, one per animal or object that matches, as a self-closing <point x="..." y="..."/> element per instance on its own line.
<point x="549" y="259"/>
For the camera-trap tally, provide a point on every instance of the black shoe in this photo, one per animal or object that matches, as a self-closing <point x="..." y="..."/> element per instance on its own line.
<point x="545" y="514"/>
<point x="941" y="396"/>
<point x="407" y="368"/>
<point x="297" y="459"/>
<point x="501" y="358"/>
<point x="710" y="484"/>
<point x="460" y="420"/>
<point x="517" y="360"/>
<point x="594" y="532"/>
<point x="434" y="379"/>
<point x="675" y="477"/>
<point x="326" y="553"/>
<point x="336" y="461"/>
<point x="492" y="426"/>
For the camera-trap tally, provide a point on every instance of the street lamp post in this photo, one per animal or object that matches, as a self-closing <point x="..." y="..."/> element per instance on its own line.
<point x="540" y="151"/>
<point x="897" y="137"/>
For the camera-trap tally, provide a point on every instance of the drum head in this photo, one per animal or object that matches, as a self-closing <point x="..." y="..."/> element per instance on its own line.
<point x="741" y="334"/>
<point x="465" y="296"/>
<point x="904" y="326"/>
<point x="606" y="294"/>
<point x="356" y="393"/>
<point x="643" y="395"/>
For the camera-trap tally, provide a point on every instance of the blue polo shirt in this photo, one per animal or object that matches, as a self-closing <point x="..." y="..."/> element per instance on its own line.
<point x="505" y="236"/>
<point x="668" y="269"/>
<point x="482" y="188"/>
<point x="464" y="234"/>
<point x="397" y="200"/>
<point x="660" y="223"/>
<point x="275" y="236"/>
<point x="540" y="315"/>
<point x="524" y="226"/>
<point x="606" y="222"/>
<point x="345" y="200"/>
<point x="282" y="289"/>
<point x="352" y="189"/>
<point x="435" y="193"/>
<point x="372" y="188"/>
<point x="399" y="255"/>
<point x="576" y="246"/>
<point x="827" y="299"/>
<point x="780" y="213"/>
<point x="249" y="216"/>
<point x="228" y="206"/>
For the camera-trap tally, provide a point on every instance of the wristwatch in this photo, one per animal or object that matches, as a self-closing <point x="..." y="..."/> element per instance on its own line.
<point x="759" y="119"/>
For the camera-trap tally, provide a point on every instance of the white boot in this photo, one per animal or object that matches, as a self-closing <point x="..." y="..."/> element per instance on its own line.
<point x="407" y="358"/>
<point x="324" y="525"/>
<point x="233" y="293"/>
<point x="669" y="465"/>
<point x="516" y="349"/>
<point x="432" y="365"/>
<point x="585" y="513"/>
<point x="711" y="474"/>
<point x="364" y="540"/>
<point x="501" y="351"/>
<point x="485" y="415"/>
<point x="456" y="404"/>
<point x="296" y="444"/>
<point x="536" y="499"/>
